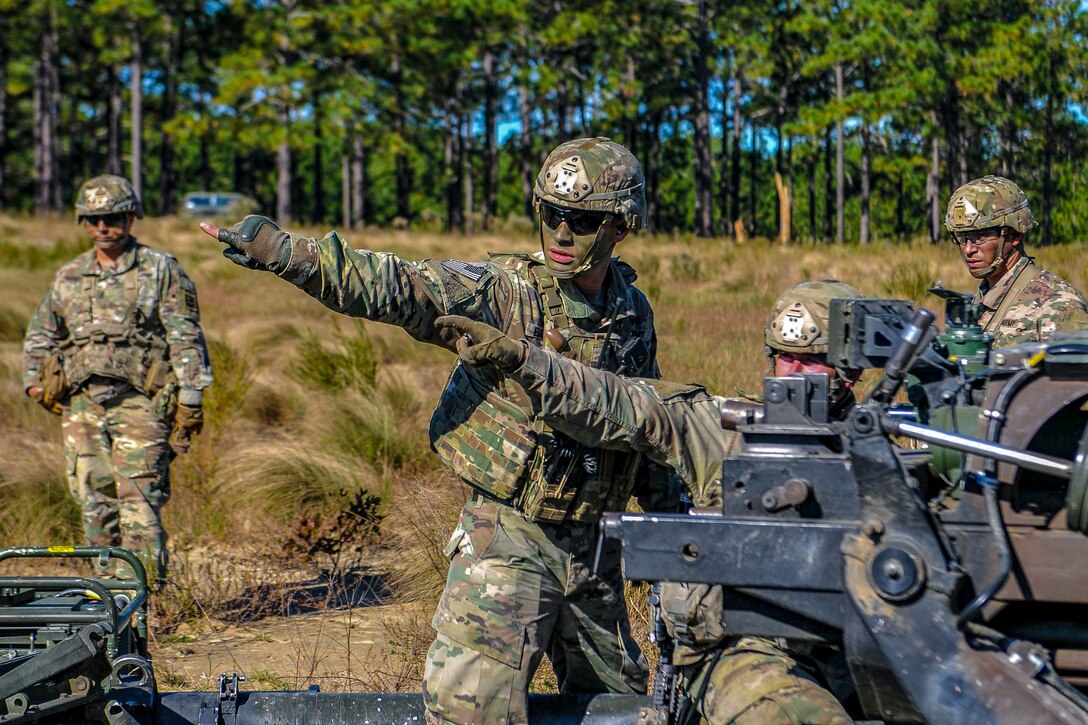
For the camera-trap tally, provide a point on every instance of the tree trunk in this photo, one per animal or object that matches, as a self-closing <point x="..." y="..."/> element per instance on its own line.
<point x="734" y="165"/>
<point x="812" y="164"/>
<point x="933" y="189"/>
<point x="283" y="164"/>
<point x="45" y="96"/>
<point x="704" y="172"/>
<point x="113" y="121"/>
<point x="863" y="232"/>
<point x="840" y="171"/>
<point x="464" y="164"/>
<point x="317" y="210"/>
<point x="137" y="111"/>
<point x="783" y="209"/>
<point x="358" y="180"/>
<point x="1048" y="148"/>
<point x="723" y="168"/>
<point x="653" y="148"/>
<point x="1008" y="135"/>
<point x="345" y="185"/>
<point x="828" y="186"/>
<point x="5" y="54"/>
<point x="525" y="148"/>
<point x="167" y="197"/>
<point x="752" y="172"/>
<point x="491" y="164"/>
<point x="451" y="157"/>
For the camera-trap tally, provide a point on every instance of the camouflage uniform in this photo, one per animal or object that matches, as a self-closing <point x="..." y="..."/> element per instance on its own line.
<point x="1026" y="303"/>
<point x="129" y="336"/>
<point x="1041" y="305"/>
<point x="521" y="582"/>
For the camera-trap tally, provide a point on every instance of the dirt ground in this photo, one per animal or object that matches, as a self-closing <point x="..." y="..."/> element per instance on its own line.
<point x="354" y="648"/>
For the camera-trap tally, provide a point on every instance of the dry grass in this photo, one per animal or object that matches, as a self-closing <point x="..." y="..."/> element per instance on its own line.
<point x="311" y="410"/>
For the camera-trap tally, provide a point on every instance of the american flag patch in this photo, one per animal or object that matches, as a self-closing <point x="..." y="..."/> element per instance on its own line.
<point x="467" y="269"/>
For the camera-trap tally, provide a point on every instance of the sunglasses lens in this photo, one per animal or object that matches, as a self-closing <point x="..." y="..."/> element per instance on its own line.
<point x="585" y="222"/>
<point x="580" y="222"/>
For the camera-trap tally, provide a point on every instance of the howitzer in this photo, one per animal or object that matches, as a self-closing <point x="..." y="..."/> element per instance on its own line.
<point x="948" y="601"/>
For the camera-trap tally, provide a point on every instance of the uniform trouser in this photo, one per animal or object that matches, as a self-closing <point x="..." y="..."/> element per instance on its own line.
<point x="119" y="472"/>
<point x="517" y="590"/>
<point x="753" y="682"/>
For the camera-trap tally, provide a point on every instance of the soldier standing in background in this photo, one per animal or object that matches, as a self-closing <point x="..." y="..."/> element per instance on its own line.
<point x="989" y="220"/>
<point x="521" y="582"/>
<point x="724" y="678"/>
<point x="116" y="349"/>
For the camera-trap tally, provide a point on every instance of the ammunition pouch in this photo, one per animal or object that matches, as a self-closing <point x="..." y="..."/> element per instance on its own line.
<point x="55" y="388"/>
<point x="165" y="400"/>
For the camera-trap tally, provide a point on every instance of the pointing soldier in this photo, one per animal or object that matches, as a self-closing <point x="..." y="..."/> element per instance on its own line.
<point x="989" y="219"/>
<point x="725" y="678"/>
<point x="116" y="349"/>
<point x="521" y="582"/>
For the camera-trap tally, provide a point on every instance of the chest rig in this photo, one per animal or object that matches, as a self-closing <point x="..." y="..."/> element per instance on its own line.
<point x="495" y="443"/>
<point x="109" y="334"/>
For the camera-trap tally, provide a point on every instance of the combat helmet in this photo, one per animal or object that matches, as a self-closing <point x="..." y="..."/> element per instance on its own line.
<point x="595" y="174"/>
<point x="986" y="203"/>
<point x="800" y="317"/>
<point x="107" y="194"/>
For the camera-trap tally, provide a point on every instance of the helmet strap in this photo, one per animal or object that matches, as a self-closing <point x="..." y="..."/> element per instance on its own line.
<point x="987" y="271"/>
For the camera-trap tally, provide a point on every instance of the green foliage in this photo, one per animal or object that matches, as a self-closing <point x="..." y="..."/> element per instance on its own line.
<point x="34" y="256"/>
<point x="686" y="266"/>
<point x="352" y="367"/>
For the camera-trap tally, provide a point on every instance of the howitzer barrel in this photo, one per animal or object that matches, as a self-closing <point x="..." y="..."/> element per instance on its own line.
<point x="1042" y="463"/>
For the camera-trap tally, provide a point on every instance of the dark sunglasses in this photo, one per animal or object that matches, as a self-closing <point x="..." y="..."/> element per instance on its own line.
<point x="580" y="221"/>
<point x="111" y="220"/>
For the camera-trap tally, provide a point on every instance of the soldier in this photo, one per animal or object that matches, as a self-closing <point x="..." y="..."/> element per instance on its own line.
<point x="116" y="349"/>
<point x="989" y="220"/>
<point x="726" y="679"/>
<point x="521" y="581"/>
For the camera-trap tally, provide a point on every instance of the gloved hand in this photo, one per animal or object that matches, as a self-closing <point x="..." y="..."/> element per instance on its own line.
<point x="188" y="422"/>
<point x="254" y="243"/>
<point x="45" y="400"/>
<point x="482" y="344"/>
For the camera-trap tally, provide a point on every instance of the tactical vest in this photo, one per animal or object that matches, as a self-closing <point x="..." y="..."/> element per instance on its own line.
<point x="123" y="349"/>
<point x="485" y="431"/>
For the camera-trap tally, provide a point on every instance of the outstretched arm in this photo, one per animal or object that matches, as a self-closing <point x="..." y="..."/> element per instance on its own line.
<point x="372" y="285"/>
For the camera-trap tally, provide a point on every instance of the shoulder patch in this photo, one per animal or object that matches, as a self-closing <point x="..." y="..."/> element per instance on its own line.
<point x="626" y="271"/>
<point x="475" y="272"/>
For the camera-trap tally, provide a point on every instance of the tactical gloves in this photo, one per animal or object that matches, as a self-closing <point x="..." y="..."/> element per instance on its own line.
<point x="188" y="422"/>
<point x="482" y="344"/>
<point x="257" y="243"/>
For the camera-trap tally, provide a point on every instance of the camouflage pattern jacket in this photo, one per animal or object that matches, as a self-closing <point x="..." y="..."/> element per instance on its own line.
<point x="483" y="427"/>
<point x="133" y="323"/>
<point x="1029" y="304"/>
<point x="676" y="425"/>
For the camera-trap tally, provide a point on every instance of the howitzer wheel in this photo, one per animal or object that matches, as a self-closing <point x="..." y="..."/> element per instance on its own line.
<point x="1077" y="497"/>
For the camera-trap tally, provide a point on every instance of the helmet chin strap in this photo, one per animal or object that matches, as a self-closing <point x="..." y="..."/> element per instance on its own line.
<point x="998" y="260"/>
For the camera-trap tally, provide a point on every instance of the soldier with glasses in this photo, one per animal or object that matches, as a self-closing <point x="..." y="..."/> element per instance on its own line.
<point x="989" y="219"/>
<point x="521" y="581"/>
<point x="116" y="349"/>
